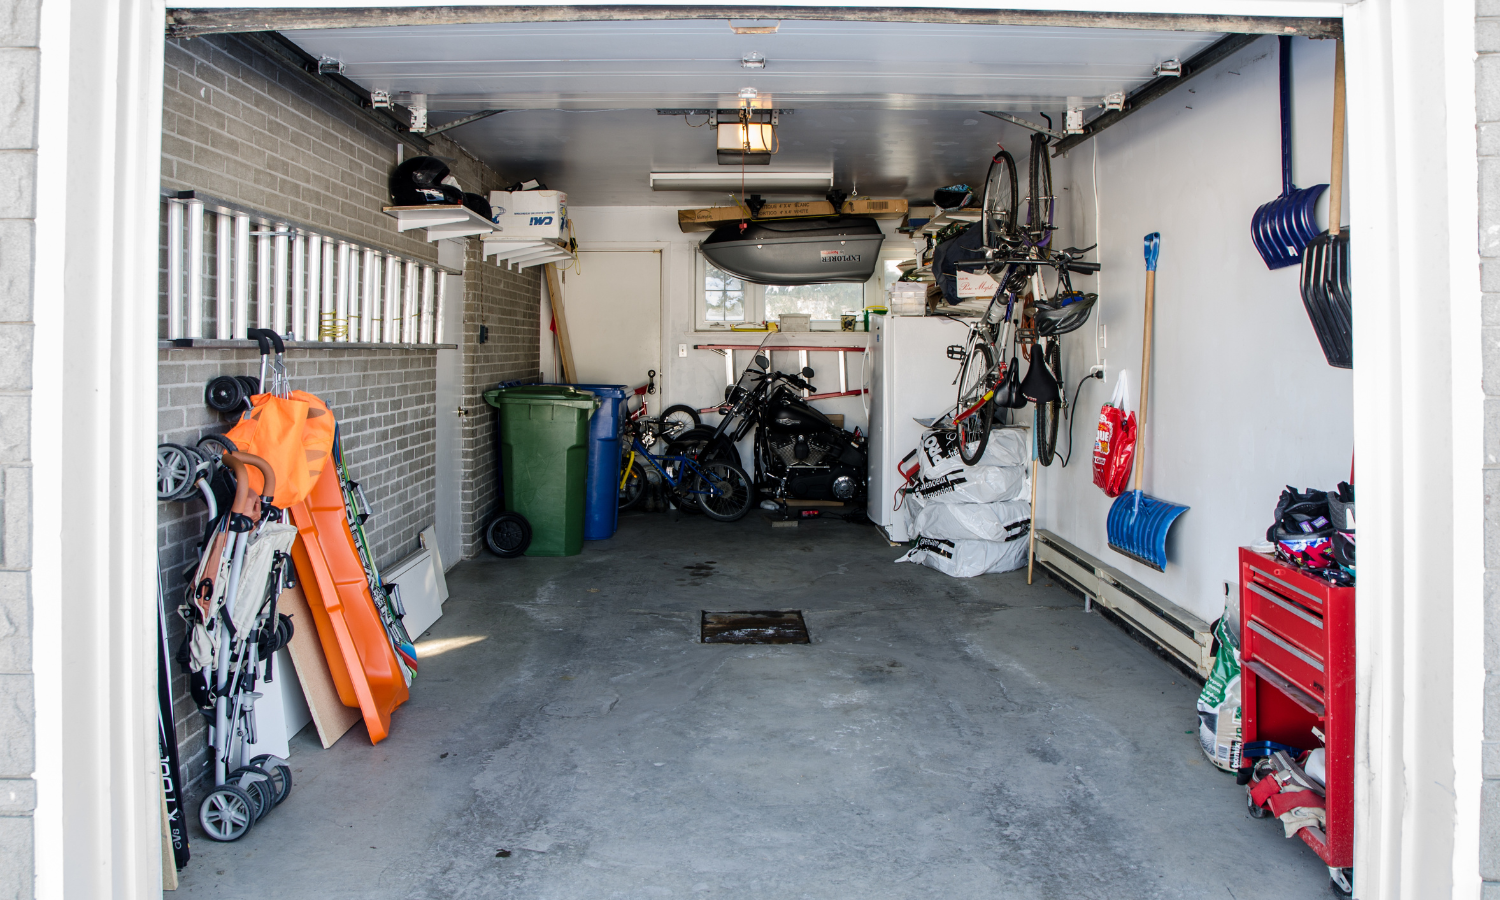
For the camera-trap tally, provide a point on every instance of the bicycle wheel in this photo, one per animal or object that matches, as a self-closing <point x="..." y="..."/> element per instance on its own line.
<point x="999" y="205"/>
<point x="678" y="419"/>
<point x="1049" y="415"/>
<point x="1039" y="200"/>
<point x="725" y="491"/>
<point x="633" y="486"/>
<point x="975" y="379"/>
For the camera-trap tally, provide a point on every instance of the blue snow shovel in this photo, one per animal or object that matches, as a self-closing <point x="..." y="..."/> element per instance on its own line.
<point x="1138" y="523"/>
<point x="1281" y="228"/>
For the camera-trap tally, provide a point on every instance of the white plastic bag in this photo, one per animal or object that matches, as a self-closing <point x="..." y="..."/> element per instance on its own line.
<point x="1006" y="520"/>
<point x="938" y="452"/>
<point x="965" y="559"/>
<point x="977" y="484"/>
<point x="1219" y="724"/>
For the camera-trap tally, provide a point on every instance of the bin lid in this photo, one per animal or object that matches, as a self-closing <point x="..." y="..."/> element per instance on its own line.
<point x="612" y="391"/>
<point x="541" y="395"/>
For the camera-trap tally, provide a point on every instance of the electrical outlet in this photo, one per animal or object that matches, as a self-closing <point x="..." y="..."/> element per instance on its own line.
<point x="682" y="350"/>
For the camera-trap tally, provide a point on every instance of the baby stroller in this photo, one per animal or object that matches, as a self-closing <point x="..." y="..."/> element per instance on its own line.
<point x="230" y="607"/>
<point x="234" y="632"/>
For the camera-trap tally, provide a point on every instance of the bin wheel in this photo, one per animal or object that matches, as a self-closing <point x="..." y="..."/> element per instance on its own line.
<point x="1256" y="811"/>
<point x="281" y="775"/>
<point x="226" y="813"/>
<point x="508" y="535"/>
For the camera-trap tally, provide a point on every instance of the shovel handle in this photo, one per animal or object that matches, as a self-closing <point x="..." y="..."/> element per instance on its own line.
<point x="1153" y="250"/>
<point x="1336" y="169"/>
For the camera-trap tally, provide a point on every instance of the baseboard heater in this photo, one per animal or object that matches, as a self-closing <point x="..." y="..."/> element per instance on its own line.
<point x="1179" y="633"/>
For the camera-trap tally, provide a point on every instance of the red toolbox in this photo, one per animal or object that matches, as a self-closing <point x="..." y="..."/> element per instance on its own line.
<point x="1297" y="675"/>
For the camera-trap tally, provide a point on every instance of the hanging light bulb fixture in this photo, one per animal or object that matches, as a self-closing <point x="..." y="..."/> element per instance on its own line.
<point x="751" y="139"/>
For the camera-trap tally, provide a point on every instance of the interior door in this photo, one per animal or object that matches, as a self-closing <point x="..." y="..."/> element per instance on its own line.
<point x="612" y="301"/>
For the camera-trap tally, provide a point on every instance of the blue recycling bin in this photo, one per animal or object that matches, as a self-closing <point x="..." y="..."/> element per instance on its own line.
<point x="601" y="511"/>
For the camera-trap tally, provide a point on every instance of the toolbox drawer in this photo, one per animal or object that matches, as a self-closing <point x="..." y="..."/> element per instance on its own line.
<point x="1288" y="619"/>
<point x="1298" y="666"/>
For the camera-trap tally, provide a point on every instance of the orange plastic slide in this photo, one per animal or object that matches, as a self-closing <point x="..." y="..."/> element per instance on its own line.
<point x="360" y="658"/>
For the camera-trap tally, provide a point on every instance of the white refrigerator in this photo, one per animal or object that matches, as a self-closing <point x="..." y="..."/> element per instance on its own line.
<point x="911" y="377"/>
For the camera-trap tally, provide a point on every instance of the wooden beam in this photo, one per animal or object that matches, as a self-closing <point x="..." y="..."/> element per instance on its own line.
<point x="1157" y="88"/>
<point x="191" y="22"/>
<point x="554" y="296"/>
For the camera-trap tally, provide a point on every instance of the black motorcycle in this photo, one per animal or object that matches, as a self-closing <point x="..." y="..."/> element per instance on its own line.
<point x="799" y="453"/>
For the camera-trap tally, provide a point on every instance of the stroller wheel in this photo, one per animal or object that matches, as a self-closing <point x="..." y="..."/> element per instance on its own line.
<point x="281" y="776"/>
<point x="225" y="394"/>
<point x="226" y="813"/>
<point x="214" y="446"/>
<point x="251" y="384"/>
<point x="508" y="535"/>
<point x="175" y="467"/>
<point x="258" y="786"/>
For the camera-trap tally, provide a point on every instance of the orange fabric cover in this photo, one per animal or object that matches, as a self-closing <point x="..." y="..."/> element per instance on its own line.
<point x="360" y="658"/>
<point x="294" y="434"/>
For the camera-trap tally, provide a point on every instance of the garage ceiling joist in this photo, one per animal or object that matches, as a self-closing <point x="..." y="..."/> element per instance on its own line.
<point x="189" y="22"/>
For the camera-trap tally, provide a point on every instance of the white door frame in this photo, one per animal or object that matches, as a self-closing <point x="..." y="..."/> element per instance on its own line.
<point x="1413" y="179"/>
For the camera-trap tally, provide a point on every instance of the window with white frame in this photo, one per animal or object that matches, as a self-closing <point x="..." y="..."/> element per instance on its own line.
<point x="726" y="300"/>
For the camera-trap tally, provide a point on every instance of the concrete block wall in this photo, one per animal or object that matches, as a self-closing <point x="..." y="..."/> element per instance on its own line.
<point x="18" y="160"/>
<point x="384" y="401"/>
<point x="508" y="304"/>
<point x="1487" y="74"/>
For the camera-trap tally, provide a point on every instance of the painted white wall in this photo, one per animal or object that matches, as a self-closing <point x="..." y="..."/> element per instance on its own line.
<point x="1242" y="402"/>
<point x="698" y="379"/>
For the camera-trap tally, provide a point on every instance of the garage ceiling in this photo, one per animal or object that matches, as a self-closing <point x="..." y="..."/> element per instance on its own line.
<point x="894" y="108"/>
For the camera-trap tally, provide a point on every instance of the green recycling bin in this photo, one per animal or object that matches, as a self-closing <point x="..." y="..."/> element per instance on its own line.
<point x="544" y="446"/>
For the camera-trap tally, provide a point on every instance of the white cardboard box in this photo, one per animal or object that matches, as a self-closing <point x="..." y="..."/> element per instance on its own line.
<point x="529" y="214"/>
<point x="977" y="284"/>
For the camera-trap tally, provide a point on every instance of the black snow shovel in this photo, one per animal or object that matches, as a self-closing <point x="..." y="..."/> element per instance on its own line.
<point x="1325" y="262"/>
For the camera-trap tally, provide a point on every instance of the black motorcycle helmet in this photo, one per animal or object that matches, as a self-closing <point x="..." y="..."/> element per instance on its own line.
<point x="480" y="205"/>
<point x="419" y="182"/>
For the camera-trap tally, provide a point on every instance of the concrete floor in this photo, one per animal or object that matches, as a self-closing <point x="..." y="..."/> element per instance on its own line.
<point x="940" y="738"/>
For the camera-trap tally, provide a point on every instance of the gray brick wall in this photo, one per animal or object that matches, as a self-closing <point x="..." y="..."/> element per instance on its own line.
<point x="509" y="304"/>
<point x="18" y="71"/>
<point x="1488" y="115"/>
<point x="384" y="401"/>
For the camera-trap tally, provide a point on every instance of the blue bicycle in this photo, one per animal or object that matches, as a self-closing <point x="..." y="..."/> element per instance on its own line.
<point x="720" y="488"/>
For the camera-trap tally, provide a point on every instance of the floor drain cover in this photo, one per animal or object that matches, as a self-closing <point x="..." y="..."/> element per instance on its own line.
<point x="759" y="626"/>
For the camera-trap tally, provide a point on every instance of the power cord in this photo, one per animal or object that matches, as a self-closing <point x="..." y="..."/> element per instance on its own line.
<point x="1073" y="411"/>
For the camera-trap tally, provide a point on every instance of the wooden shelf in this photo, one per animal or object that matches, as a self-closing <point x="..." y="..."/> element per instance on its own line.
<point x="523" y="254"/>
<point x="440" y="221"/>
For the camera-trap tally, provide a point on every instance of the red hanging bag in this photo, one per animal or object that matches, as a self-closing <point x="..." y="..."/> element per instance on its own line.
<point x="1114" y="443"/>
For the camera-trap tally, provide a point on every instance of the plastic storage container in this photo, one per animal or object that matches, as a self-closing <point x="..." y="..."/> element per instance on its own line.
<point x="601" y="510"/>
<point x="544" y="436"/>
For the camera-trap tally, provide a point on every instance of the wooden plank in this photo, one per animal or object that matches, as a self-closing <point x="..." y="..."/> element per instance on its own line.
<point x="690" y="220"/>
<point x="185" y="22"/>
<point x="331" y="717"/>
<point x="565" y="347"/>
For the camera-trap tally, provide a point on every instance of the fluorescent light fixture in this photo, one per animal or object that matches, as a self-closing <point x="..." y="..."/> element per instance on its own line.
<point x="815" y="183"/>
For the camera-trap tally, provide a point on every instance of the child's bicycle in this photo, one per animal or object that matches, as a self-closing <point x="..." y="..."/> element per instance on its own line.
<point x="720" y="488"/>
<point x="673" y="421"/>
